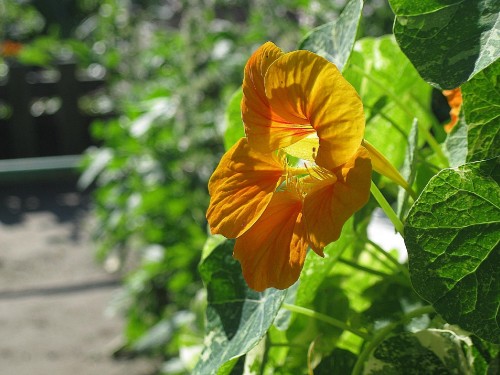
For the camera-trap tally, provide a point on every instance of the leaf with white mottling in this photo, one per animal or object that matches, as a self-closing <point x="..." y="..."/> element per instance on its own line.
<point x="334" y="40"/>
<point x="237" y="317"/>
<point x="429" y="352"/>
<point x="448" y="42"/>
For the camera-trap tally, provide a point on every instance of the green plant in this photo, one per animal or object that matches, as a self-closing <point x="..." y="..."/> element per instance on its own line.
<point x="359" y="309"/>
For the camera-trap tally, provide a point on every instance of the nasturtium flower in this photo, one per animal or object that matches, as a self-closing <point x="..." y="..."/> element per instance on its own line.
<point x="277" y="211"/>
<point x="295" y="105"/>
<point x="289" y="97"/>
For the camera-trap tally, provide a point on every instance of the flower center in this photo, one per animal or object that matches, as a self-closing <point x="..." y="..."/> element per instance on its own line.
<point x="302" y="180"/>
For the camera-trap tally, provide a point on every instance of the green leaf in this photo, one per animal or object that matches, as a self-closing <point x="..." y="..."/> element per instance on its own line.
<point x="237" y="317"/>
<point x="336" y="305"/>
<point x="334" y="40"/>
<point x="448" y="41"/>
<point x="429" y="352"/>
<point x="339" y="362"/>
<point x="393" y="94"/>
<point x="234" y="124"/>
<point x="452" y="235"/>
<point x="316" y="269"/>
<point x="411" y="8"/>
<point x="390" y="300"/>
<point x="486" y="356"/>
<point x="409" y="169"/>
<point x="481" y="106"/>
<point x="456" y="144"/>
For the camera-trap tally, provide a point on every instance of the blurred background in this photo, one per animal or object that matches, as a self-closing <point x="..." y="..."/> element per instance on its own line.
<point x="111" y="121"/>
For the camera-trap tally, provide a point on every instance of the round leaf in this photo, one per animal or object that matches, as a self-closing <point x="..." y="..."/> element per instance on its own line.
<point x="452" y="235"/>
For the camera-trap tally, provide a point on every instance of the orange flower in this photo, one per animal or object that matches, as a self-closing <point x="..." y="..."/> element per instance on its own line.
<point x="309" y="211"/>
<point x="274" y="209"/>
<point x="454" y="98"/>
<point x="288" y="97"/>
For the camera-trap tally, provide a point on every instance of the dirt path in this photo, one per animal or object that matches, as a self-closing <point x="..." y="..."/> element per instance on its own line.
<point x="54" y="299"/>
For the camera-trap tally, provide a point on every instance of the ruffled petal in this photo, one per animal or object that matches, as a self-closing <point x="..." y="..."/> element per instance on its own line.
<point x="266" y="131"/>
<point x="240" y="189"/>
<point x="255" y="70"/>
<point x="328" y="205"/>
<point x="309" y="91"/>
<point x="273" y="250"/>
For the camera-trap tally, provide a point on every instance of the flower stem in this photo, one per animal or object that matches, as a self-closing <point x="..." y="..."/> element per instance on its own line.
<point x="325" y="318"/>
<point x="390" y="258"/>
<point x="363" y="268"/>
<point x="383" y="333"/>
<point x="386" y="207"/>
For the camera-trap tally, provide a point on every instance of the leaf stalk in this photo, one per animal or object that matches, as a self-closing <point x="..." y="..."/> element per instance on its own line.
<point x="326" y="319"/>
<point x="386" y="207"/>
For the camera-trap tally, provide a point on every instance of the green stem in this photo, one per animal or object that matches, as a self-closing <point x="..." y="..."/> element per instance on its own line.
<point x="427" y="135"/>
<point x="363" y="268"/>
<point x="390" y="258"/>
<point x="383" y="333"/>
<point x="287" y="345"/>
<point x="386" y="207"/>
<point x="325" y="318"/>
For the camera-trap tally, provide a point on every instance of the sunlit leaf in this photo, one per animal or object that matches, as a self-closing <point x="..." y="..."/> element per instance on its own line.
<point x="409" y="169"/>
<point x="234" y="124"/>
<point x="334" y="40"/>
<point x="407" y="7"/>
<point x="393" y="94"/>
<point x="460" y="38"/>
<point x="316" y="269"/>
<point x="237" y="317"/>
<point x="481" y="106"/>
<point x="452" y="235"/>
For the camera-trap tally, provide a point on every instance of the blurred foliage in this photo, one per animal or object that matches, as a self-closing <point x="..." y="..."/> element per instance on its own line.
<point x="171" y="68"/>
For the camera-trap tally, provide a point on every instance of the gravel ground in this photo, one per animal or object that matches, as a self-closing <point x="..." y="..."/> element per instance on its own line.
<point x="54" y="299"/>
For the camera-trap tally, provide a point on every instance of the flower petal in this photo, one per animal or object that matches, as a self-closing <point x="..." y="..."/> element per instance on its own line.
<point x="454" y="98"/>
<point x="273" y="250"/>
<point x="266" y="131"/>
<point x="383" y="166"/>
<point x="240" y="189"/>
<point x="304" y="88"/>
<point x="255" y="70"/>
<point x="327" y="207"/>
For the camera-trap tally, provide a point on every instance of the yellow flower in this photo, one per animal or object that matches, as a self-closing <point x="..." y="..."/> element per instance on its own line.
<point x="299" y="104"/>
